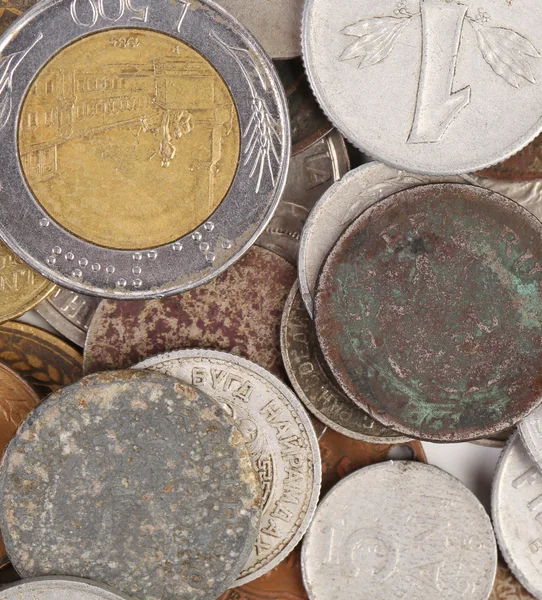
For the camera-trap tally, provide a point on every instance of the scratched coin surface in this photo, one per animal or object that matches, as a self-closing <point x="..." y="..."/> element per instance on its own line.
<point x="281" y="440"/>
<point x="310" y="174"/>
<point x="315" y="387"/>
<point x="398" y="530"/>
<point x="59" y="588"/>
<point x="423" y="81"/>
<point x="95" y="484"/>
<point x="179" y="117"/>
<point x="239" y="312"/>
<point x="69" y="313"/>
<point x="428" y="312"/>
<point x="517" y="515"/>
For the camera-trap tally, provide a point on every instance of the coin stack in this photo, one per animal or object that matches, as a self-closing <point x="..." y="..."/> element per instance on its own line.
<point x="295" y="239"/>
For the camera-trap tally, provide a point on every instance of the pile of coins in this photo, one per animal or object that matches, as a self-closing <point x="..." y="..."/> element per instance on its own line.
<point x="273" y="318"/>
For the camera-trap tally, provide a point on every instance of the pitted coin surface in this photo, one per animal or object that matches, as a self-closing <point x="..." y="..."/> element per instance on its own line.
<point x="280" y="437"/>
<point x="428" y="312"/>
<point x="59" y="588"/>
<point x="396" y="530"/>
<point x="95" y="485"/>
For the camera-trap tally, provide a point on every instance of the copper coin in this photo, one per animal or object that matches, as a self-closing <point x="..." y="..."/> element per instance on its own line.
<point x="429" y="312"/>
<point x="240" y="312"/>
<point x="526" y="165"/>
<point x="507" y="587"/>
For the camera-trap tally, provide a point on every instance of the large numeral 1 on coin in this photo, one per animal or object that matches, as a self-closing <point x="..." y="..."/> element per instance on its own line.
<point x="437" y="105"/>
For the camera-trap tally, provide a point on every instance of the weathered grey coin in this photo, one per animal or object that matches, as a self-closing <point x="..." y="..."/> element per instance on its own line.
<point x="69" y="313"/>
<point x="134" y="479"/>
<point x="59" y="588"/>
<point x="399" y="530"/>
<point x="316" y="388"/>
<point x="281" y="440"/>
<point x="516" y="494"/>
<point x="310" y="174"/>
<point x="426" y="85"/>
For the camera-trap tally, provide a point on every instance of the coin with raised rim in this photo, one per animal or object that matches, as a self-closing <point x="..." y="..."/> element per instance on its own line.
<point x="59" y="588"/>
<point x="530" y="430"/>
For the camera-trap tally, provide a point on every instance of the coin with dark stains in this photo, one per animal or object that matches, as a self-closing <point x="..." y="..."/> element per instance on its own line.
<point x="239" y="312"/>
<point x="133" y="479"/>
<point x="526" y="165"/>
<point x="429" y="312"/>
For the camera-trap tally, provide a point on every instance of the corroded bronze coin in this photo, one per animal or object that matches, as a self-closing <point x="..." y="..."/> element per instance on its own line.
<point x="428" y="312"/>
<point x="239" y="312"/>
<point x="526" y="165"/>
<point x="133" y="479"/>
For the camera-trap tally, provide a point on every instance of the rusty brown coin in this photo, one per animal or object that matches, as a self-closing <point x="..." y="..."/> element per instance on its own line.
<point x="526" y="165"/>
<point x="507" y="587"/>
<point x="240" y="312"/>
<point x="429" y="312"/>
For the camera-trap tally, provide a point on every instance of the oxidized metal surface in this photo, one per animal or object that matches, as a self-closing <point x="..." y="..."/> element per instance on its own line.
<point x="428" y="312"/>
<point x="422" y="81"/>
<point x="95" y="485"/>
<point x="69" y="313"/>
<point x="530" y="430"/>
<point x="59" y="588"/>
<point x="239" y="312"/>
<point x="507" y="587"/>
<point x="46" y="362"/>
<point x="316" y="388"/>
<point x="522" y="167"/>
<point x="515" y="505"/>
<point x="161" y="105"/>
<point x="340" y="457"/>
<point x="310" y="174"/>
<point x="281" y="440"/>
<point x="399" y="530"/>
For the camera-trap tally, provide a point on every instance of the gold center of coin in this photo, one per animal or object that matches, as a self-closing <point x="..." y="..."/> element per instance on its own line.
<point x="129" y="139"/>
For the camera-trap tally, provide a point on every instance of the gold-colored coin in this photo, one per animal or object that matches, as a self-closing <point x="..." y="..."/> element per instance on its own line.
<point x="21" y="288"/>
<point x="129" y="138"/>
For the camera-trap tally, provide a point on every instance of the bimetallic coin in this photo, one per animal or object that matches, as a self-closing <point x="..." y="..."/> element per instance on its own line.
<point x="517" y="488"/>
<point x="95" y="484"/>
<point x="182" y="121"/>
<point x="396" y="530"/>
<point x="507" y="587"/>
<point x="69" y="313"/>
<point x="59" y="588"/>
<point x="311" y="173"/>
<point x="419" y="306"/>
<point x="239" y="312"/>
<point x="423" y="81"/>
<point x="281" y="440"/>
<point x="309" y="377"/>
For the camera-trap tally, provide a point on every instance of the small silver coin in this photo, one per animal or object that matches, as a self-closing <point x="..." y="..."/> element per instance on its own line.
<point x="425" y="85"/>
<point x="316" y="388"/>
<point x="281" y="440"/>
<point x="530" y="430"/>
<point x="59" y="588"/>
<point x="517" y="514"/>
<point x="310" y="174"/>
<point x="399" y="530"/>
<point x="69" y="313"/>
<point x="134" y="479"/>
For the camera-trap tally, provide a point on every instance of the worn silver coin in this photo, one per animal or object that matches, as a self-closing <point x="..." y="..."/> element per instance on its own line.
<point x="399" y="530"/>
<point x="517" y="514"/>
<point x="281" y="440"/>
<point x="316" y="388"/>
<point x="310" y="174"/>
<point x="85" y="267"/>
<point x="69" y="313"/>
<point x="134" y="479"/>
<point x="59" y="588"/>
<point x="530" y="430"/>
<point x="425" y="85"/>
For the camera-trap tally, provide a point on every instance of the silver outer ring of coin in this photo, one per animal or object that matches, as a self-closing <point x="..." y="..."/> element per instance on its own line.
<point x="59" y="588"/>
<point x="530" y="431"/>
<point x="69" y="313"/>
<point x="196" y="258"/>
<point x="248" y="573"/>
<point x="407" y="104"/>
<point x="384" y="537"/>
<point x="508" y="527"/>
<point x="291" y="371"/>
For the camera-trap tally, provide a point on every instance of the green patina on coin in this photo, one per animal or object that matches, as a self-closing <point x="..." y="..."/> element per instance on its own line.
<point x="429" y="312"/>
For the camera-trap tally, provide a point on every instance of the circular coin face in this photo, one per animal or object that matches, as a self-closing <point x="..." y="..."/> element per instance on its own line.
<point x="281" y="440"/>
<point x="149" y="168"/>
<point x="428" y="312"/>
<point x="112" y="459"/>
<point x="423" y="81"/>
<point x="516" y="489"/>
<point x="59" y="588"/>
<point x="398" y="529"/>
